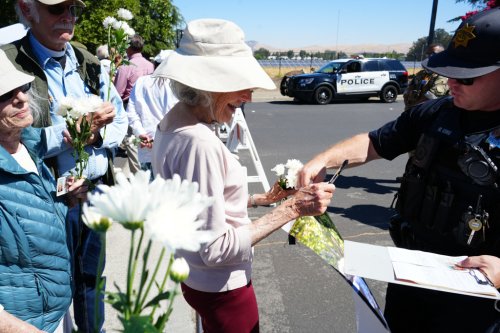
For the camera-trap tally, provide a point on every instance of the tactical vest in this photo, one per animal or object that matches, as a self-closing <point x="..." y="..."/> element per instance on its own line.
<point x="449" y="199"/>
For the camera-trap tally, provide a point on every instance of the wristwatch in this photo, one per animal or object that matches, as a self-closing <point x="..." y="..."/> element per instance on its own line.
<point x="252" y="201"/>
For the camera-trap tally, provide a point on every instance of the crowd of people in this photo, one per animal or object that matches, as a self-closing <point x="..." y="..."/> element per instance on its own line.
<point x="48" y="258"/>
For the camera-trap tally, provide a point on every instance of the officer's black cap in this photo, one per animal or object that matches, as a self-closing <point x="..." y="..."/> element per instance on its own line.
<point x="474" y="49"/>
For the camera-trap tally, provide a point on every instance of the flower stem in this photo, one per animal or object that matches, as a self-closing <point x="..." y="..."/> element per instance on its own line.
<point x="164" y="282"/>
<point x="161" y="325"/>
<point x="127" y="311"/>
<point x="144" y="277"/>
<point x="99" y="282"/>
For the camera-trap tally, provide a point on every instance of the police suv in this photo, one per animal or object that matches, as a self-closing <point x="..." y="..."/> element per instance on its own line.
<point x="358" y="78"/>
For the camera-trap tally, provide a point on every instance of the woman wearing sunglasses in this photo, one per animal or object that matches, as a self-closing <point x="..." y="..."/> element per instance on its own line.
<point x="35" y="260"/>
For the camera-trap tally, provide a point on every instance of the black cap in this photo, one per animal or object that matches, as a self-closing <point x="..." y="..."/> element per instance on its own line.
<point x="474" y="49"/>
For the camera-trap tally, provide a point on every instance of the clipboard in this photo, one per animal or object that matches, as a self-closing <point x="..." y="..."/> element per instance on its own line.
<point x="374" y="262"/>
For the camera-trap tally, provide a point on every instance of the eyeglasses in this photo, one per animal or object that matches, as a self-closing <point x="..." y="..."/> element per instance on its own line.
<point x="480" y="278"/>
<point x="59" y="9"/>
<point x="466" y="82"/>
<point x="8" y="95"/>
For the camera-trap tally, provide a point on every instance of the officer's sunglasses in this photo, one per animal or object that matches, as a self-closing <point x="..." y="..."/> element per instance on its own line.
<point x="8" y="95"/>
<point x="59" y="9"/>
<point x="466" y="82"/>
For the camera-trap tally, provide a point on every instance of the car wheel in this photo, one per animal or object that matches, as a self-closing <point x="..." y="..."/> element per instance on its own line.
<point x="389" y="94"/>
<point x="323" y="95"/>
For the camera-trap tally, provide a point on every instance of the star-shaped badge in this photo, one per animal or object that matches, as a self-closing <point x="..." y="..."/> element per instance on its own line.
<point x="464" y="35"/>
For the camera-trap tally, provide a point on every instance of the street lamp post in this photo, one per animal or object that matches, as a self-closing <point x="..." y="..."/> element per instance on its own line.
<point x="430" y="38"/>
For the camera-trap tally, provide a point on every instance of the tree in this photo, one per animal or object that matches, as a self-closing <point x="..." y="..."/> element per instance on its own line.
<point x="290" y="54"/>
<point x="417" y="50"/>
<point x="261" y="54"/>
<point x="302" y="54"/>
<point x="155" y="20"/>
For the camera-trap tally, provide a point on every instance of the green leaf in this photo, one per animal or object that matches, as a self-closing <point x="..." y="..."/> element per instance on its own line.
<point x="157" y="299"/>
<point x="118" y="301"/>
<point x="138" y="323"/>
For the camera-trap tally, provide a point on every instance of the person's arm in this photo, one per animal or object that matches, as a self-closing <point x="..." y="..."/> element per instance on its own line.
<point x="11" y="324"/>
<point x="489" y="265"/>
<point x="357" y="149"/>
<point x="275" y="194"/>
<point x="308" y="201"/>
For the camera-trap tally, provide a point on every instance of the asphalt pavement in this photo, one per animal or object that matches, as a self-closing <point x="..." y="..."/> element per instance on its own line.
<point x="296" y="291"/>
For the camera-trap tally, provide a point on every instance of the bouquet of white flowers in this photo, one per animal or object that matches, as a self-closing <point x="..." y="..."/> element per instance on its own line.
<point x="287" y="173"/>
<point x="165" y="210"/>
<point x="78" y="114"/>
<point x="119" y="33"/>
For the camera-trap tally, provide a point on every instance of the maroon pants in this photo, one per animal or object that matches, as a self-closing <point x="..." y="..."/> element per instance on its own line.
<point x="233" y="311"/>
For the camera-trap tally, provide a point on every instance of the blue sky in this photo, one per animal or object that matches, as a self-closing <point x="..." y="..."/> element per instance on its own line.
<point x="294" y="24"/>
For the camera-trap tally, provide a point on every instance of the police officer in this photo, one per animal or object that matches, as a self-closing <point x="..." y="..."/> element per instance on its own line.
<point x="425" y="84"/>
<point x="449" y="200"/>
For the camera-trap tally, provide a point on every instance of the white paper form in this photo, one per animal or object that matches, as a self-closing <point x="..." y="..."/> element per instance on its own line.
<point x="437" y="270"/>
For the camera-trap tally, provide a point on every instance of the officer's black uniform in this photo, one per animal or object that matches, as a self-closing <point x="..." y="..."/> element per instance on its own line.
<point x="450" y="180"/>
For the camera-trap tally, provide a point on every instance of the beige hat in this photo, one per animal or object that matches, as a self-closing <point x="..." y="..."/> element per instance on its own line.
<point x="10" y="77"/>
<point x="213" y="56"/>
<point x="55" y="2"/>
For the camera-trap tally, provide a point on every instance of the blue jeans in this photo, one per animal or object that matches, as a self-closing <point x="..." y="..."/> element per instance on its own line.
<point x="86" y="245"/>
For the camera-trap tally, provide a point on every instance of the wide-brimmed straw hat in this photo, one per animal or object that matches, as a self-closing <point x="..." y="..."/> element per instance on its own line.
<point x="10" y="77"/>
<point x="55" y="2"/>
<point x="473" y="51"/>
<point x="213" y="56"/>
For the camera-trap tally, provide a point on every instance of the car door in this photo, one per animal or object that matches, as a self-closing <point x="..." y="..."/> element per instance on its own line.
<point x="349" y="79"/>
<point x="374" y="76"/>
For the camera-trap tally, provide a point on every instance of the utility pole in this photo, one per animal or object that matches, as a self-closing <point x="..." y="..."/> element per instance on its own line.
<point x="430" y="38"/>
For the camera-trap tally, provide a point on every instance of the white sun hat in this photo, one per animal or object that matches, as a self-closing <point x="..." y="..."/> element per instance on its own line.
<point x="164" y="54"/>
<point x="213" y="56"/>
<point x="55" y="2"/>
<point x="10" y="77"/>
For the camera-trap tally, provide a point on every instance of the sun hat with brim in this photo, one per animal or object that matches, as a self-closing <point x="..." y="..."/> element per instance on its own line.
<point x="55" y="2"/>
<point x="10" y="77"/>
<point x="213" y="56"/>
<point x="473" y="51"/>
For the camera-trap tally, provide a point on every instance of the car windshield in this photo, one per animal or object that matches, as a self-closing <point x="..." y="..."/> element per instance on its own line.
<point x="331" y="67"/>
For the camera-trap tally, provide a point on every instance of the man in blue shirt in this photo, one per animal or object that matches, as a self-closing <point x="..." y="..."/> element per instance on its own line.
<point x="60" y="70"/>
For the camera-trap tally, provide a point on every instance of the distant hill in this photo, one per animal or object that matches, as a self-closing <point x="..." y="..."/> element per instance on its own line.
<point x="347" y="48"/>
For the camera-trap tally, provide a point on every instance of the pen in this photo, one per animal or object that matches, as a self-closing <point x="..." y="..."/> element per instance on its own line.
<point x="337" y="174"/>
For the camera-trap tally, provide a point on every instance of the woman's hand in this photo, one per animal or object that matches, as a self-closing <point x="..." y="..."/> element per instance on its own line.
<point x="77" y="190"/>
<point x="313" y="199"/>
<point x="277" y="193"/>
<point x="489" y="265"/>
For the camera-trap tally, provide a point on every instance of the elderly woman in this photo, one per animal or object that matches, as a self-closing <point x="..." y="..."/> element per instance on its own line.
<point x="35" y="260"/>
<point x="212" y="73"/>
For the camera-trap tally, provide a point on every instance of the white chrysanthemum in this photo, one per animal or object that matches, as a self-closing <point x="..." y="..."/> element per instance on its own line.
<point x="291" y="179"/>
<point x="108" y="21"/>
<point x="125" y="14"/>
<point x="94" y="103"/>
<point x="294" y="165"/>
<point x="179" y="271"/>
<point x="130" y="32"/>
<point x="128" y="202"/>
<point x="118" y="24"/>
<point x="80" y="108"/>
<point x="94" y="220"/>
<point x="279" y="169"/>
<point x="173" y="220"/>
<point x="65" y="105"/>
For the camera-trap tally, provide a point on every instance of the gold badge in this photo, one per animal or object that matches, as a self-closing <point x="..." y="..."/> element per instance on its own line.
<point x="464" y="35"/>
